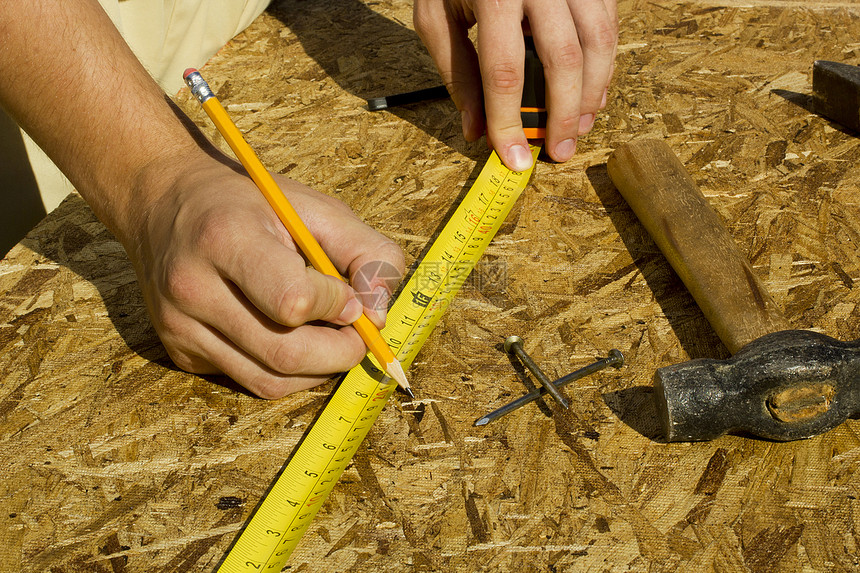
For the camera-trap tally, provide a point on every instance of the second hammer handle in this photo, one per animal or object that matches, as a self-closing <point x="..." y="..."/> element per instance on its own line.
<point x="695" y="242"/>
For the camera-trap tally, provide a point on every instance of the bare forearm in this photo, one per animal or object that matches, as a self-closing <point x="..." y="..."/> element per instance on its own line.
<point x="73" y="84"/>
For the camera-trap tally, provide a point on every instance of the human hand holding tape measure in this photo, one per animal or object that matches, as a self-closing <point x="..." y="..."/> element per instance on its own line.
<point x="576" y="41"/>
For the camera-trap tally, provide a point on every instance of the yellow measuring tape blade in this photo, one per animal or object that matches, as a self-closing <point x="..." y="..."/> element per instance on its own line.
<point x="290" y="506"/>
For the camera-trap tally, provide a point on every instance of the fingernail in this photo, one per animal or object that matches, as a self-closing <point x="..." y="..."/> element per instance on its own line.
<point x="586" y="121"/>
<point x="466" y="118"/>
<point x="380" y="299"/>
<point x="603" y="100"/>
<point x="351" y="311"/>
<point x="565" y="150"/>
<point x="520" y="157"/>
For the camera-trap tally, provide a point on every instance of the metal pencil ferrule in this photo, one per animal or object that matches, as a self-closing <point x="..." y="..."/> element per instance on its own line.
<point x="199" y="88"/>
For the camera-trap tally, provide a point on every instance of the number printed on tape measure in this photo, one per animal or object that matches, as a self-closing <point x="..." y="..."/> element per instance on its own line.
<point x="451" y="259"/>
<point x="305" y="483"/>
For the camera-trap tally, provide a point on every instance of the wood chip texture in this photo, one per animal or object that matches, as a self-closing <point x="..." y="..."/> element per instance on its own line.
<point x="112" y="460"/>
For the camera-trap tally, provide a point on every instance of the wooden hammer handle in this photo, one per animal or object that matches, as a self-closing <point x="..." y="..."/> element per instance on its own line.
<point x="695" y="241"/>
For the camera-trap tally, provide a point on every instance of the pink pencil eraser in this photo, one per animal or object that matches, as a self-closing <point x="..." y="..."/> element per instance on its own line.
<point x="188" y="72"/>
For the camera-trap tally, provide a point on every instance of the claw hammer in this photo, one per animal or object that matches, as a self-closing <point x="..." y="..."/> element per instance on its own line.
<point x="780" y="384"/>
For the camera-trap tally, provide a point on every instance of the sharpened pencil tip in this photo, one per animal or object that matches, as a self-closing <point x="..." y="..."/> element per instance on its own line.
<point x="395" y="370"/>
<point x="409" y="392"/>
<point x="483" y="421"/>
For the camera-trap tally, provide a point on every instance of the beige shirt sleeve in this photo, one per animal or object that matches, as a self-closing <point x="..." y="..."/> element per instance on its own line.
<point x="168" y="36"/>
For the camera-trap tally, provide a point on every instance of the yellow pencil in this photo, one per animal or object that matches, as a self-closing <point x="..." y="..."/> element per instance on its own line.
<point x="291" y="220"/>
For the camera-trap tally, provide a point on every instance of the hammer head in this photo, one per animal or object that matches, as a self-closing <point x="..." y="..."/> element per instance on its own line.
<point x="783" y="386"/>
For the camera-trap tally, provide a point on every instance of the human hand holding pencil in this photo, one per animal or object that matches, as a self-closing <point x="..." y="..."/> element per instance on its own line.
<point x="226" y="289"/>
<point x="299" y="232"/>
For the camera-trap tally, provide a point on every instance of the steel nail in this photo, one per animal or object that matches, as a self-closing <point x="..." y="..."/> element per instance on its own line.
<point x="615" y="358"/>
<point x="514" y="344"/>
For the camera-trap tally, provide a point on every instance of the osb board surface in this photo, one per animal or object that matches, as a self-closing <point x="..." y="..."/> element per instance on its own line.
<point x="113" y="461"/>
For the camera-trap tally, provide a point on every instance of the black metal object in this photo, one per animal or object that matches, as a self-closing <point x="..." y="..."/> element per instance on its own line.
<point x="427" y="94"/>
<point x="836" y="92"/>
<point x="786" y="385"/>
